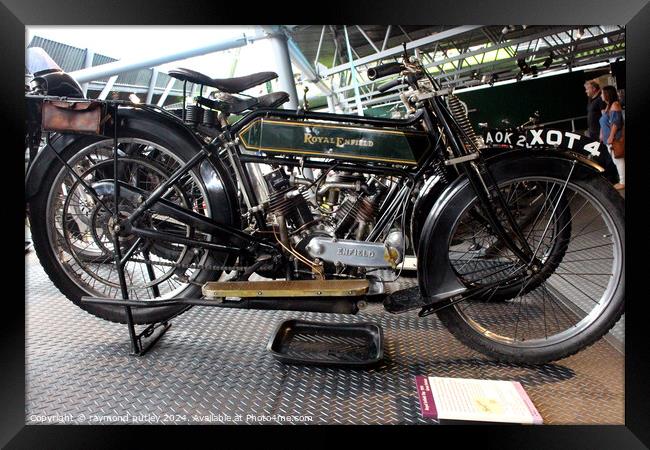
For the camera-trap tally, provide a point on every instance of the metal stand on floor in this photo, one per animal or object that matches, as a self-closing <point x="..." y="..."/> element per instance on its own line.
<point x="141" y="343"/>
<point x="144" y="341"/>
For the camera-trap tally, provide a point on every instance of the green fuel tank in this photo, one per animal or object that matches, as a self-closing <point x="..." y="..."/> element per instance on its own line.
<point x="335" y="141"/>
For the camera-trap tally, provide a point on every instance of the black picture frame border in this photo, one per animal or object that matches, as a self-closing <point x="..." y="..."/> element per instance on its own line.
<point x="15" y="14"/>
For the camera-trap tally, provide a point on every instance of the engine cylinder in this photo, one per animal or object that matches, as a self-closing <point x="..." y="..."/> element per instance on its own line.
<point x="286" y="200"/>
<point x="360" y="209"/>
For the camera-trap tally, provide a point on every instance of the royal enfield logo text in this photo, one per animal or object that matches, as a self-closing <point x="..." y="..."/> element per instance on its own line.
<point x="337" y="141"/>
<point x="355" y="252"/>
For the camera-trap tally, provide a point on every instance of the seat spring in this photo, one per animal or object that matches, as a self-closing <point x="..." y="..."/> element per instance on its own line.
<point x="193" y="114"/>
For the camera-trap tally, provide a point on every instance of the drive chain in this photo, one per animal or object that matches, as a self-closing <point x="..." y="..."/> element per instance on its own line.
<point x="189" y="266"/>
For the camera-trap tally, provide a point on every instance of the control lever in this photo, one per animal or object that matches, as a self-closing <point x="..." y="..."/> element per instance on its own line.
<point x="305" y="103"/>
<point x="390" y="85"/>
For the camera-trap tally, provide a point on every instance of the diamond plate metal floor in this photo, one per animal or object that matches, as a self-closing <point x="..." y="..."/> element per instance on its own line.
<point x="212" y="367"/>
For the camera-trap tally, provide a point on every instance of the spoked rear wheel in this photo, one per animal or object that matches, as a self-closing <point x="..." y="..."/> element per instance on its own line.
<point x="72" y="231"/>
<point x="569" y="302"/>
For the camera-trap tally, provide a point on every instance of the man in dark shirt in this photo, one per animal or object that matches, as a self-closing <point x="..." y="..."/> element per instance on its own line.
<point x="594" y="107"/>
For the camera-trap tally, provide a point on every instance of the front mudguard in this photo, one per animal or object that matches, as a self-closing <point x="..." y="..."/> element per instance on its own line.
<point x="436" y="278"/>
<point x="434" y="186"/>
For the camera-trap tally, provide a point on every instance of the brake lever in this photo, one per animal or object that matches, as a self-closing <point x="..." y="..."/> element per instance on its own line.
<point x="390" y="85"/>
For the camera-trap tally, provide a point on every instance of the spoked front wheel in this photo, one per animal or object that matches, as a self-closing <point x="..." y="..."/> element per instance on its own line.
<point x="575" y="294"/>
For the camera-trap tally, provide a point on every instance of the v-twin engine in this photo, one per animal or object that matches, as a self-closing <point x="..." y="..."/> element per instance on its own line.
<point x="327" y="219"/>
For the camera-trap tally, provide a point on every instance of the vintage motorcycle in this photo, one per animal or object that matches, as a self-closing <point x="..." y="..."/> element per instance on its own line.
<point x="138" y="212"/>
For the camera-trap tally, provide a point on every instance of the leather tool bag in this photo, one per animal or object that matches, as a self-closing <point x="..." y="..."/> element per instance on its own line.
<point x="72" y="117"/>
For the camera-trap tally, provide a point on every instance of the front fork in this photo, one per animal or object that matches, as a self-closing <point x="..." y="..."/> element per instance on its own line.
<point x="485" y="186"/>
<point x="490" y="196"/>
<point x="490" y="199"/>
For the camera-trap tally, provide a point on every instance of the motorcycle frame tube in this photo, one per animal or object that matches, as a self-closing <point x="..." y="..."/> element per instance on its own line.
<point x="396" y="202"/>
<point x="162" y="189"/>
<point x="201" y="222"/>
<point x="157" y="235"/>
<point x="330" y="117"/>
<point x="294" y="162"/>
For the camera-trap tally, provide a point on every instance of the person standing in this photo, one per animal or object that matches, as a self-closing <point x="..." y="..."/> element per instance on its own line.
<point x="611" y="128"/>
<point x="595" y="105"/>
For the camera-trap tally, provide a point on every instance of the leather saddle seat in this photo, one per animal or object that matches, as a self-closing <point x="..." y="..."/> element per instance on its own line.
<point x="229" y="85"/>
<point x="272" y="100"/>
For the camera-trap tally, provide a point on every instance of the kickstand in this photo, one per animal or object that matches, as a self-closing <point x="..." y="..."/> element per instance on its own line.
<point x="144" y="341"/>
<point x="141" y="343"/>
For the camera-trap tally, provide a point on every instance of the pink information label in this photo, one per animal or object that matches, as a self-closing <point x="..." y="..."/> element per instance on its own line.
<point x="427" y="405"/>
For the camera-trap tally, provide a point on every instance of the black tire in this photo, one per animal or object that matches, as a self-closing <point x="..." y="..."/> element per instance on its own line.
<point x="181" y="147"/>
<point x="488" y="334"/>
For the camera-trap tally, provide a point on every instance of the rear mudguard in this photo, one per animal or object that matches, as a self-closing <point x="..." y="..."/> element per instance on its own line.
<point x="437" y="280"/>
<point x="219" y="186"/>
